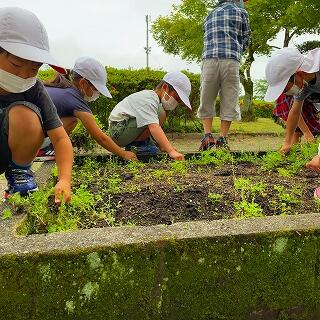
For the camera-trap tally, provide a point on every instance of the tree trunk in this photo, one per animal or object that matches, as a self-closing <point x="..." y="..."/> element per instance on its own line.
<point x="247" y="110"/>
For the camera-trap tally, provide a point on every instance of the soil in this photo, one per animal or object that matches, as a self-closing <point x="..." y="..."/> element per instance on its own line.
<point x="156" y="194"/>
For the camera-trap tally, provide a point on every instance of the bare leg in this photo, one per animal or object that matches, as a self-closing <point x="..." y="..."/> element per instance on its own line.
<point x="25" y="134"/>
<point x="207" y="125"/>
<point x="224" y="128"/>
<point x="146" y="133"/>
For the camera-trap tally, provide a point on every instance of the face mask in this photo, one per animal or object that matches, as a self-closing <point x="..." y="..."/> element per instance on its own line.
<point x="295" y="90"/>
<point x="94" y="96"/>
<point x="14" y="84"/>
<point x="169" y="104"/>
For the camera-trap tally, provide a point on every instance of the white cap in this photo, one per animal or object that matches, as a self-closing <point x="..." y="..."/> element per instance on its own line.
<point x="280" y="67"/>
<point x="181" y="84"/>
<point x="23" y="35"/>
<point x="93" y="71"/>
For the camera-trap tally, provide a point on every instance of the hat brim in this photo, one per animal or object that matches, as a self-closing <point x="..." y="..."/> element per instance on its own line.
<point x="184" y="98"/>
<point x="274" y="92"/>
<point x="32" y="53"/>
<point x="101" y="88"/>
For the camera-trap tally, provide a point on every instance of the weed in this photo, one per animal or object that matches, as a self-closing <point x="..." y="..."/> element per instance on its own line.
<point x="216" y="157"/>
<point x="245" y="209"/>
<point x="214" y="197"/>
<point x="180" y="167"/>
<point x="7" y="214"/>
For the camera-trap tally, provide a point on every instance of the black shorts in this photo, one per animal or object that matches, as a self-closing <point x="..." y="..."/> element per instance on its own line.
<point x="5" y="153"/>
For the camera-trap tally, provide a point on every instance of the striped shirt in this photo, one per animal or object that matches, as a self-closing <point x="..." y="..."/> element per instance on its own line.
<point x="226" y="32"/>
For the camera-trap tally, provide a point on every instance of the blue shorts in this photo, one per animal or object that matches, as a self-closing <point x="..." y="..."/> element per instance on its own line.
<point x="5" y="152"/>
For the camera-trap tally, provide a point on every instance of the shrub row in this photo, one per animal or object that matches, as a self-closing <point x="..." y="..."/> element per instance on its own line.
<point x="123" y="82"/>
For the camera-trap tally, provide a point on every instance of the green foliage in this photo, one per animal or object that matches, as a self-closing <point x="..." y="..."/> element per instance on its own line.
<point x="215" y="157"/>
<point x="290" y="164"/>
<point x="215" y="197"/>
<point x="308" y="45"/>
<point x="285" y="199"/>
<point x="6" y="214"/>
<point x="245" y="209"/>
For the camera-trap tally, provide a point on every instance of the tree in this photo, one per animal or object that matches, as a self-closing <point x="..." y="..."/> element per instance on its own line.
<point x="181" y="32"/>
<point x="308" y="45"/>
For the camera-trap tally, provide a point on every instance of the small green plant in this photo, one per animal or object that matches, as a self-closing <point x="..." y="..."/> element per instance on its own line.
<point x="214" y="197"/>
<point x="7" y="214"/>
<point x="272" y="160"/>
<point x="180" y="167"/>
<point x="246" y="209"/>
<point x="215" y="157"/>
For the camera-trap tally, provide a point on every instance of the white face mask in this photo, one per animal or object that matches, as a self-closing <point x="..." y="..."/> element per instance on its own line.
<point x="94" y="97"/>
<point x="295" y="90"/>
<point x="169" y="104"/>
<point x="14" y="84"/>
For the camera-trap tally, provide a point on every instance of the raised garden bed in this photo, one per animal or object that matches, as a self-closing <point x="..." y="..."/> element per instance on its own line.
<point x="213" y="185"/>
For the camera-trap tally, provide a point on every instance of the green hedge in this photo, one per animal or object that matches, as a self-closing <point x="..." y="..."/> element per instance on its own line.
<point x="123" y="82"/>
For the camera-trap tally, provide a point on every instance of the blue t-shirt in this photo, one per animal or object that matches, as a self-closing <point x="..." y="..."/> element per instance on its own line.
<point x="67" y="101"/>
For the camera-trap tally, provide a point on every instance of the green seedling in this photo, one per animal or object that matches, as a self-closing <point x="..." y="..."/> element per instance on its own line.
<point x="214" y="197"/>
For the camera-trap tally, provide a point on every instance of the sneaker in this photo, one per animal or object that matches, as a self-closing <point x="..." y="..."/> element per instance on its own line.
<point x="207" y="143"/>
<point x="46" y="154"/>
<point x="19" y="180"/>
<point x="143" y="147"/>
<point x="222" y="142"/>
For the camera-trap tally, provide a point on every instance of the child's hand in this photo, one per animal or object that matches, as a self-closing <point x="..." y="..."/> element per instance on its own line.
<point x="285" y="148"/>
<point x="62" y="191"/>
<point x="314" y="164"/>
<point x="128" y="155"/>
<point x="176" y="155"/>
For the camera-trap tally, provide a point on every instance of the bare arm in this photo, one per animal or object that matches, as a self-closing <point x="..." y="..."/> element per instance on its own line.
<point x="305" y="130"/>
<point x="292" y="122"/>
<point x="158" y="134"/>
<point x="104" y="140"/>
<point x="64" y="159"/>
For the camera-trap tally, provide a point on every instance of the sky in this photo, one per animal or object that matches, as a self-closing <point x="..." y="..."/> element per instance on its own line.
<point x="112" y="31"/>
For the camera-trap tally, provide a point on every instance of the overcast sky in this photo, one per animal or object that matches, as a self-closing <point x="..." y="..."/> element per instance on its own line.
<point x="112" y="31"/>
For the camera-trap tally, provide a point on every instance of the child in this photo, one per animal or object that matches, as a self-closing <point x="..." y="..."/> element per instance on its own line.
<point x="139" y="116"/>
<point x="308" y="124"/>
<point x="27" y="114"/>
<point x="289" y="72"/>
<point x="88" y="81"/>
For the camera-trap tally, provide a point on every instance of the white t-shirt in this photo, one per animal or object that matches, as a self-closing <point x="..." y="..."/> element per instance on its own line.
<point x="144" y="105"/>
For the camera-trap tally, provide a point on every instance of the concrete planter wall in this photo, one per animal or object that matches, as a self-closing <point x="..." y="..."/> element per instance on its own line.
<point x="261" y="268"/>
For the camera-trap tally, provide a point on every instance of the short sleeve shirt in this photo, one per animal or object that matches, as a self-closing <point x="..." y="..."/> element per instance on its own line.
<point x="38" y="96"/>
<point x="67" y="101"/>
<point x="310" y="89"/>
<point x="144" y="106"/>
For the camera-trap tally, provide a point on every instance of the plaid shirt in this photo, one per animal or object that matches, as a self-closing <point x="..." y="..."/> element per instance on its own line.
<point x="226" y="32"/>
<point x="309" y="112"/>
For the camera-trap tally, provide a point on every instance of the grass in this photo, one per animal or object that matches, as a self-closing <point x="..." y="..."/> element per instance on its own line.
<point x="261" y="126"/>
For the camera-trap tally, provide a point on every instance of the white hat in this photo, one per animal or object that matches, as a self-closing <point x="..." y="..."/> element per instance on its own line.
<point x="93" y="71"/>
<point x="181" y="84"/>
<point x="280" y="67"/>
<point x="23" y="35"/>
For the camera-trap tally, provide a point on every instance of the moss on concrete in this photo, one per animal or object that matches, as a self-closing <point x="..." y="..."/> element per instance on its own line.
<point x="233" y="277"/>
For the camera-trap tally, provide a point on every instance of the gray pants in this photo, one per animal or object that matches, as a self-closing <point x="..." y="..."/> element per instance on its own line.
<point x="125" y="131"/>
<point x="5" y="153"/>
<point x="220" y="76"/>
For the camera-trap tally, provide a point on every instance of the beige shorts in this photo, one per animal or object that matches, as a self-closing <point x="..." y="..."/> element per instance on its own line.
<point x="220" y="76"/>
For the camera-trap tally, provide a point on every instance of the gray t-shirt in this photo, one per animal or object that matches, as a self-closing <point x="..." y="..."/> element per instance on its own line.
<point x="144" y="106"/>
<point x="39" y="97"/>
<point x="310" y="89"/>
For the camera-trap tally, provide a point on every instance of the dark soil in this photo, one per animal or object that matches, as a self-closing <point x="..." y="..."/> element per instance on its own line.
<point x="156" y="194"/>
